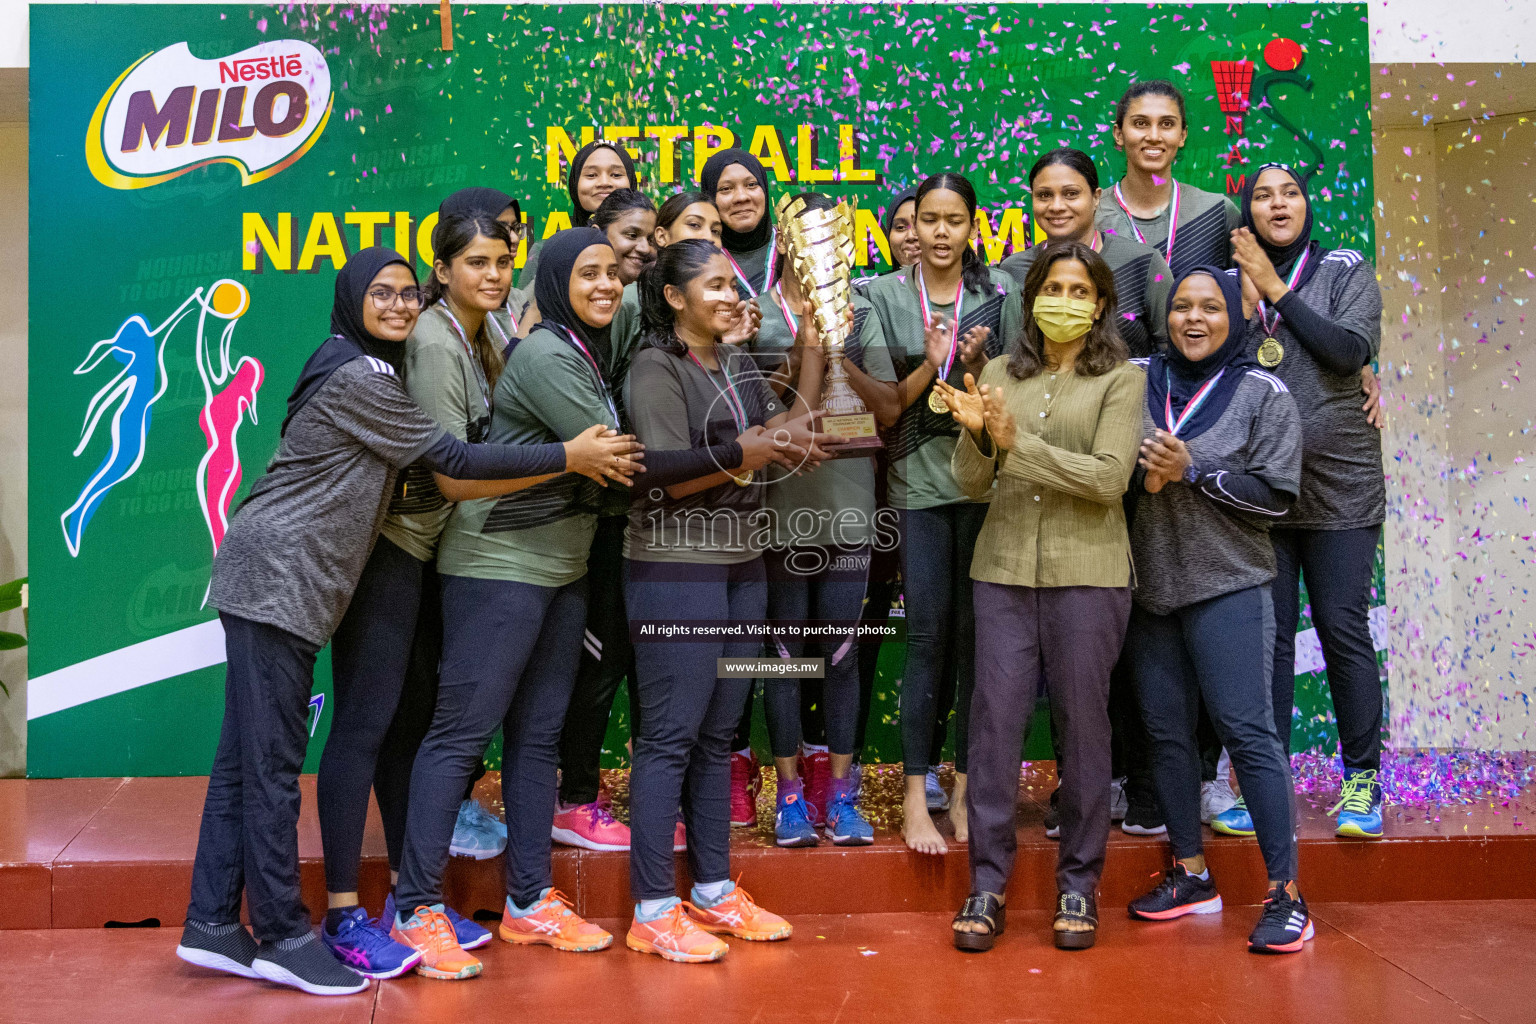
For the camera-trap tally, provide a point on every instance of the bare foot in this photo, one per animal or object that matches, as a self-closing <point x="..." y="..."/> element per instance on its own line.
<point x="958" y="816"/>
<point x="917" y="826"/>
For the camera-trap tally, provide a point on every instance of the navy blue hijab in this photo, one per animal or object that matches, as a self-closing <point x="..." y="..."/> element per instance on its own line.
<point x="1284" y="257"/>
<point x="1173" y="380"/>
<point x="349" y="338"/>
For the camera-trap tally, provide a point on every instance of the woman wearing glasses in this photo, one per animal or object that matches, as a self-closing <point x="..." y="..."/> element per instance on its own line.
<point x="285" y="574"/>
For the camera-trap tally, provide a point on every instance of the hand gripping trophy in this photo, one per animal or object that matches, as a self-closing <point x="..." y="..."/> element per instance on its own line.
<point x="820" y="252"/>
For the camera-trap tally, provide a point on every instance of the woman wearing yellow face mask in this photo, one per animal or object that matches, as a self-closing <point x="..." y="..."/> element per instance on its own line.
<point x="1056" y="425"/>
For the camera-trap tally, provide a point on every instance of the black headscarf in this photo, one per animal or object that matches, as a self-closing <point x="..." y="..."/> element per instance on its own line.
<point x="709" y="182"/>
<point x="1169" y="374"/>
<point x="349" y="339"/>
<point x="579" y="214"/>
<point x="490" y="201"/>
<point x="1284" y="257"/>
<point x="552" y="287"/>
<point x="906" y="195"/>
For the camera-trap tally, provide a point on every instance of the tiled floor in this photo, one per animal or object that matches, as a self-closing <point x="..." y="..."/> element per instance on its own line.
<point x="1396" y="964"/>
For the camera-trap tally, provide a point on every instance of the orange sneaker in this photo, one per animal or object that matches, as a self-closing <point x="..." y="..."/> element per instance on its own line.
<point x="442" y="957"/>
<point x="554" y="922"/>
<point x="736" y="914"/>
<point x="675" y="936"/>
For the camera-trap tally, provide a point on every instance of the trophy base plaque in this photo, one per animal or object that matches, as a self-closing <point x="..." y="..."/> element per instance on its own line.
<point x="859" y="429"/>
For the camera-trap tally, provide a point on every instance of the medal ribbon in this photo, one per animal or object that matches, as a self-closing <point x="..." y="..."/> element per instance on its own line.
<point x="1173" y="220"/>
<point x="789" y="318"/>
<point x="1271" y="326"/>
<point x="954" y="340"/>
<point x="506" y="341"/>
<point x="602" y="384"/>
<point x="480" y="378"/>
<point x="1194" y="403"/>
<point x="729" y="393"/>
<point x="767" y="265"/>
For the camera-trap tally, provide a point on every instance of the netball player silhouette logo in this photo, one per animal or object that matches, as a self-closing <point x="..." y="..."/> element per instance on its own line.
<point x="127" y="402"/>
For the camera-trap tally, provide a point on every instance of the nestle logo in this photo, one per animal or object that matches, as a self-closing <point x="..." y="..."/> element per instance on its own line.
<point x="259" y="69"/>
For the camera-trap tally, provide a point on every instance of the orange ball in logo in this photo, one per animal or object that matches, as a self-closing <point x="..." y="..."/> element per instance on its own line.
<point x="229" y="299"/>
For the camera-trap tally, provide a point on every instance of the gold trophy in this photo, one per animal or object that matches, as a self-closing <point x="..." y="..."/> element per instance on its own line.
<point x="820" y="252"/>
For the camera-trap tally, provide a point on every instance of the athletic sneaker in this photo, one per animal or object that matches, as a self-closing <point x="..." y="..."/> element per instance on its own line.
<point x="469" y="933"/>
<point x="938" y="800"/>
<point x="1235" y="820"/>
<point x="1118" y="803"/>
<point x="1359" y="806"/>
<point x="1284" y="926"/>
<point x="477" y="833"/>
<point x="554" y="922"/>
<point x="675" y="936"/>
<point x="845" y="825"/>
<point x="304" y="964"/>
<point x="1179" y="893"/>
<point x="746" y="783"/>
<point x="228" y="948"/>
<point x="364" y="947"/>
<point x="590" y="826"/>
<point x="1143" y="819"/>
<point x="816" y="772"/>
<point x="736" y="914"/>
<point x="1216" y="798"/>
<point x="792" y="820"/>
<point x="430" y="932"/>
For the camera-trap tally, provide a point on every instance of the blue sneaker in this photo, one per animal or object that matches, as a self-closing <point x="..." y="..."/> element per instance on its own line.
<point x="477" y="833"/>
<point x="1359" y="806"/>
<point x="364" y="947"/>
<point x="1234" y="821"/>
<point x="469" y="934"/>
<point x="792" y="822"/>
<point x="845" y="825"/>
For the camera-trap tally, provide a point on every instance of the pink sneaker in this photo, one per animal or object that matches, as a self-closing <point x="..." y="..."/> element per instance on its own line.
<point x="746" y="781"/>
<point x="816" y="771"/>
<point x="679" y="838"/>
<point x="590" y="826"/>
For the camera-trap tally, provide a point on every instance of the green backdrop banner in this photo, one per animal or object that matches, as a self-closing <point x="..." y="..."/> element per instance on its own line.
<point x="198" y="173"/>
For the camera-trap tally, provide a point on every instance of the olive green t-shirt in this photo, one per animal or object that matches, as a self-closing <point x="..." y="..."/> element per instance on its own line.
<point x="921" y="443"/>
<point x="442" y="376"/>
<point x="548" y="392"/>
<point x="834" y="504"/>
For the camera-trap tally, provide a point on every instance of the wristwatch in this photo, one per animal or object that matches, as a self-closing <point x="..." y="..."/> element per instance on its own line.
<point x="1191" y="474"/>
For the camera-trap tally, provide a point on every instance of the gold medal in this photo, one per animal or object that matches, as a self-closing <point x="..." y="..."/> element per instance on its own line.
<point x="1270" y="353"/>
<point x="936" y="402"/>
<point x="743" y="479"/>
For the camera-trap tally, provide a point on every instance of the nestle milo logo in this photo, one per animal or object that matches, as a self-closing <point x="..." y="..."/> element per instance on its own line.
<point x="170" y="112"/>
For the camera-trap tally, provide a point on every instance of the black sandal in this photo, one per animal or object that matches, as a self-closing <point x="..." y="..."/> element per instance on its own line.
<point x="1075" y="906"/>
<point x="981" y="908"/>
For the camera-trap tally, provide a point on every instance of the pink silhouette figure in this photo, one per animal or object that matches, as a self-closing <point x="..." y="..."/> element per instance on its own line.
<point x="218" y="475"/>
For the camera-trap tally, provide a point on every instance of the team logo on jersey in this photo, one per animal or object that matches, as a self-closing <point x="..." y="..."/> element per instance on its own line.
<point x="258" y="110"/>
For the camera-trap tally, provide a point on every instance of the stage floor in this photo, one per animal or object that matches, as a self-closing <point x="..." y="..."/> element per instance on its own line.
<point x="83" y="853"/>
<point x="1400" y="963"/>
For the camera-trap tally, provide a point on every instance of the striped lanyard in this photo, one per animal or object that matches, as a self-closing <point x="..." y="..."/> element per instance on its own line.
<point x="732" y="397"/>
<point x="1174" y="426"/>
<point x="1271" y="326"/>
<point x="602" y="384"/>
<point x="506" y="341"/>
<point x="1173" y="220"/>
<point x="789" y="318"/>
<point x="954" y="338"/>
<point x="773" y="236"/>
<point x="480" y="378"/>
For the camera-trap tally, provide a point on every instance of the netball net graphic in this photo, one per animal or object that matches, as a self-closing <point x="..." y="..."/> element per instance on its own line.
<point x="1234" y="82"/>
<point x="229" y="395"/>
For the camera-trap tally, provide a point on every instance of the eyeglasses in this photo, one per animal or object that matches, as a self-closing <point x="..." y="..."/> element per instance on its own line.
<point x="384" y="298"/>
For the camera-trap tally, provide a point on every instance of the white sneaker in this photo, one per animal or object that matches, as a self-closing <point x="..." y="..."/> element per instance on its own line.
<point x="1216" y="797"/>
<point x="938" y="800"/>
<point x="1117" y="801"/>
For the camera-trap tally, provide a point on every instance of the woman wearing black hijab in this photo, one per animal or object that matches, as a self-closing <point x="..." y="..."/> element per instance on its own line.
<point x="1221" y="461"/>
<point x="597" y="169"/>
<point x="505" y="325"/>
<point x="1317" y="319"/>
<point x="514" y="605"/>
<point x="735" y="180"/>
<point x="281" y="582"/>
